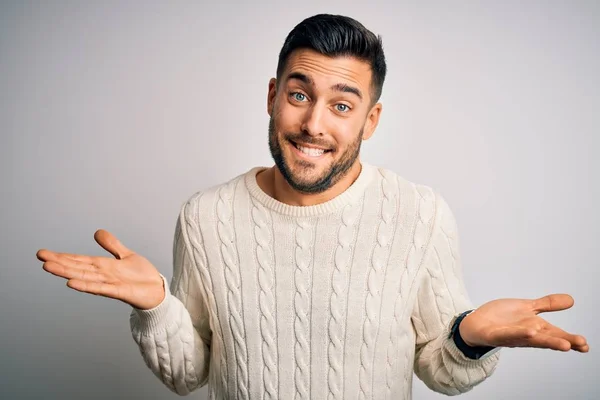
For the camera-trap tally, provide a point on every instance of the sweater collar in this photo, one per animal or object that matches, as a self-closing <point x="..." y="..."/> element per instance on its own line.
<point x="353" y="193"/>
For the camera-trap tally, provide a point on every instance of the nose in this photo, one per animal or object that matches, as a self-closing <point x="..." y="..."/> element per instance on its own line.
<point x="313" y="123"/>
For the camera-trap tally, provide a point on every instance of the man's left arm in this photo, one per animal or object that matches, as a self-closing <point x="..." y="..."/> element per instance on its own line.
<point x="441" y="298"/>
<point x="453" y="358"/>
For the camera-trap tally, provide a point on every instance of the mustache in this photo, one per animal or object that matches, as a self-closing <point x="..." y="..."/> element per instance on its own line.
<point x="303" y="138"/>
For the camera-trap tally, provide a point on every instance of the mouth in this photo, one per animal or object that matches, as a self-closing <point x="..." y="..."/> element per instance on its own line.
<point x="309" y="151"/>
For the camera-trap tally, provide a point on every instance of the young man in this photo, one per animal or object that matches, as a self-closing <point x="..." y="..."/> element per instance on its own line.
<point x="322" y="276"/>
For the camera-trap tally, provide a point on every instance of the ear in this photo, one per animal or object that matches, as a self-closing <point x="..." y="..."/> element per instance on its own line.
<point x="372" y="121"/>
<point x="272" y="93"/>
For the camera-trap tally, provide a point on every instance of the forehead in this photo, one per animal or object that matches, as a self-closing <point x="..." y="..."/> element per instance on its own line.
<point x="327" y="70"/>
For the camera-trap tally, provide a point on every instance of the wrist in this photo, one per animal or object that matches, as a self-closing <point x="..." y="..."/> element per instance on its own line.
<point x="160" y="292"/>
<point x="461" y="331"/>
<point x="153" y="319"/>
<point x="469" y="349"/>
<point x="155" y="296"/>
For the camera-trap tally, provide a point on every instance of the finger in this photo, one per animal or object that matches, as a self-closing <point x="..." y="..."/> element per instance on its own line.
<point x="96" y="288"/>
<point x="68" y="267"/>
<point x="111" y="244"/>
<point x="519" y="336"/>
<point x="582" y="349"/>
<point x="544" y="341"/>
<point x="575" y="340"/>
<point x="552" y="302"/>
<point x="47" y="255"/>
<point x="85" y="272"/>
<point x="74" y="263"/>
<point x="95" y="261"/>
<point x="78" y="257"/>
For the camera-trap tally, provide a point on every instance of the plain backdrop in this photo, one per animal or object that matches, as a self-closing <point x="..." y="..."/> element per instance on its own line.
<point x="113" y="113"/>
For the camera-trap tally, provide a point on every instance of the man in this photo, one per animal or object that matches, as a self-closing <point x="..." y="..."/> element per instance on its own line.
<point x="322" y="276"/>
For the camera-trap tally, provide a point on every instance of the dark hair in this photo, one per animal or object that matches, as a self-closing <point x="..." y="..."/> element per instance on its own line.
<point x="337" y="35"/>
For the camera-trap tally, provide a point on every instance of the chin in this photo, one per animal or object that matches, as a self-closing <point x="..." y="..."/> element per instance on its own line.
<point x="307" y="178"/>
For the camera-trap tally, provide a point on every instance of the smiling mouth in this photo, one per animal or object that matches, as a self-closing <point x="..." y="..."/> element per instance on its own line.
<point x="310" y="151"/>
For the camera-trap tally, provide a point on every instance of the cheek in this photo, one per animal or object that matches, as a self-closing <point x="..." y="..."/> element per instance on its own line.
<point x="287" y="118"/>
<point x="346" y="133"/>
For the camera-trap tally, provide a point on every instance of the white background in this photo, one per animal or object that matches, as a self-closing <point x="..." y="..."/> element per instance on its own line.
<point x="113" y="114"/>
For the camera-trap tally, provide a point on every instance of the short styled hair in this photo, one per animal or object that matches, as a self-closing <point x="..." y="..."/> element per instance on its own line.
<point x="335" y="36"/>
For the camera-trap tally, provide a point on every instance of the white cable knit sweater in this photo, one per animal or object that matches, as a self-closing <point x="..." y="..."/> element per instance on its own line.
<point x="341" y="300"/>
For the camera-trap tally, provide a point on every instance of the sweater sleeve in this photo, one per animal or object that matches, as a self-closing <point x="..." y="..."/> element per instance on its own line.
<point x="174" y="337"/>
<point x="441" y="297"/>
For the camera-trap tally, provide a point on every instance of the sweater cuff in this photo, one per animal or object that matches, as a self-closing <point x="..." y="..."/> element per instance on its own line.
<point x="153" y="319"/>
<point x="488" y="358"/>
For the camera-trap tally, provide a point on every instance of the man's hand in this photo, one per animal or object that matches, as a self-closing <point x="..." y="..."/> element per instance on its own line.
<point x="515" y="323"/>
<point x="128" y="277"/>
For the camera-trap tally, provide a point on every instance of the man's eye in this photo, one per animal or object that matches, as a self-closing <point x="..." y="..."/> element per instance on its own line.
<point x="342" y="108"/>
<point x="298" y="96"/>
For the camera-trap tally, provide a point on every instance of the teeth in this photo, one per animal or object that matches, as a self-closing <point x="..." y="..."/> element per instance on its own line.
<point x="310" y="151"/>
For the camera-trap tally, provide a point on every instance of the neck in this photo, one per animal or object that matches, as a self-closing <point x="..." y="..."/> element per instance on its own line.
<point x="273" y="183"/>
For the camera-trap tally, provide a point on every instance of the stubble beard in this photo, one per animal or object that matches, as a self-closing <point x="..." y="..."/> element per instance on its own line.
<point x="330" y="176"/>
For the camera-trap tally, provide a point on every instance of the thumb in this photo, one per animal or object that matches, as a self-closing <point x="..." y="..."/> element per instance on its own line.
<point x="552" y="302"/>
<point x="110" y="243"/>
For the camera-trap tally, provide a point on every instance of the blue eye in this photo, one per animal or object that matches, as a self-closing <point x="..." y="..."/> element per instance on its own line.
<point x="298" y="96"/>
<point x="342" y="107"/>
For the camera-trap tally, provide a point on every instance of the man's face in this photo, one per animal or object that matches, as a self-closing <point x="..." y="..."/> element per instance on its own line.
<point x="320" y="112"/>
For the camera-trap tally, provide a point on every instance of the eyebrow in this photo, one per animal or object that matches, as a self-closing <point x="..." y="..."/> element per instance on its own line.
<point x="338" y="87"/>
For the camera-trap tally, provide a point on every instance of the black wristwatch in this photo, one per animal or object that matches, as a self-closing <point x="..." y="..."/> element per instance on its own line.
<point x="474" y="353"/>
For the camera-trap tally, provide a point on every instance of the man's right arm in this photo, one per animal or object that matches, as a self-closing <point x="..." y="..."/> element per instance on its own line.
<point x="174" y="337"/>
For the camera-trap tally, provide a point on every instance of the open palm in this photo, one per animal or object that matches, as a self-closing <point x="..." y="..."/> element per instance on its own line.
<point x="128" y="276"/>
<point x="516" y="323"/>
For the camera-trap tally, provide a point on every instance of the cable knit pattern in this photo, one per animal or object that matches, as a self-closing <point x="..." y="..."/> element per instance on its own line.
<point x="157" y="340"/>
<point x="375" y="280"/>
<point x="342" y="299"/>
<point x="443" y="295"/>
<point x="302" y="281"/>
<point x="421" y="229"/>
<point x="439" y="363"/>
<point x="232" y="279"/>
<point x="200" y="257"/>
<point x="448" y="230"/>
<point x="266" y="296"/>
<point x="338" y="305"/>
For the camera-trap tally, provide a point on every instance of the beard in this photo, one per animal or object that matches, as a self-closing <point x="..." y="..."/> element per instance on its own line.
<point x="296" y="177"/>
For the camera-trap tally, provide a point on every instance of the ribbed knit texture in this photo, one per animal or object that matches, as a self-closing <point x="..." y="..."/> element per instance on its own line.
<point x="341" y="300"/>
